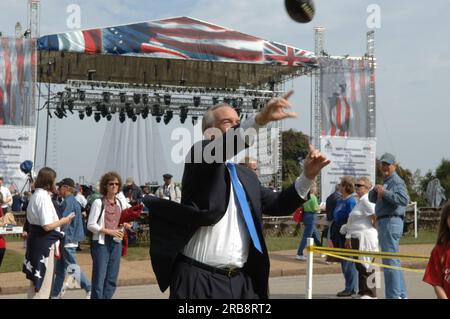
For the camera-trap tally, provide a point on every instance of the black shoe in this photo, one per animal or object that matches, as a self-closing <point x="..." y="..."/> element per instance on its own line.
<point x="79" y="249"/>
<point x="344" y="293"/>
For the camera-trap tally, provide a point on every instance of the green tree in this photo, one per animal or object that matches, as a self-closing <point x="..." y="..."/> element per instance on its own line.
<point x="443" y="174"/>
<point x="409" y="179"/>
<point x="295" y="146"/>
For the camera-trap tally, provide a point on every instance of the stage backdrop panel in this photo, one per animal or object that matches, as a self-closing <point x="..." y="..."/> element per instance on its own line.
<point x="349" y="157"/>
<point x="17" y="81"/>
<point x="16" y="146"/>
<point x="345" y="85"/>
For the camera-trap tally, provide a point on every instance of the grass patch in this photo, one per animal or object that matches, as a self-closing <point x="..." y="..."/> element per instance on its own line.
<point x="12" y="262"/>
<point x="137" y="253"/>
<point x="423" y="237"/>
<point x="282" y="243"/>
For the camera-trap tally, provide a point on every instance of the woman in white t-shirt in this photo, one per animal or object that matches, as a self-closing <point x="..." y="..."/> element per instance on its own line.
<point x="43" y="232"/>
<point x="361" y="234"/>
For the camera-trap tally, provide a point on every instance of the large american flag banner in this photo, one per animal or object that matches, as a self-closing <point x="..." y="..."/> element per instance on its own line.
<point x="345" y="85"/>
<point x="17" y="79"/>
<point x="178" y="38"/>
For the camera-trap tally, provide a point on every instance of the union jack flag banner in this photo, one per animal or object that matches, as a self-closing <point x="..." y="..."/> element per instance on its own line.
<point x="345" y="88"/>
<point x="17" y="78"/>
<point x="178" y="38"/>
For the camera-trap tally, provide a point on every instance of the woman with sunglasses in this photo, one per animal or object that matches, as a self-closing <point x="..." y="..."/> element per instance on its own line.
<point x="361" y="234"/>
<point x="104" y="223"/>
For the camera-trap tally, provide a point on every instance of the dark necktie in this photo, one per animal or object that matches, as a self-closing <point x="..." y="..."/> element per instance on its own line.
<point x="243" y="204"/>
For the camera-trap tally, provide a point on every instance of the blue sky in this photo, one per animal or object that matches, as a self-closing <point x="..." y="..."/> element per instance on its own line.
<point x="413" y="104"/>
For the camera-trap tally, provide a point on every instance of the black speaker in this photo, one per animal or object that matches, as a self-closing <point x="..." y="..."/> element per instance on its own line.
<point x="302" y="11"/>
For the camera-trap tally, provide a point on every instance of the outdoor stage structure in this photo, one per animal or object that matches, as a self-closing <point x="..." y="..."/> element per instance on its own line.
<point x="159" y="70"/>
<point x="344" y="113"/>
<point x="138" y="75"/>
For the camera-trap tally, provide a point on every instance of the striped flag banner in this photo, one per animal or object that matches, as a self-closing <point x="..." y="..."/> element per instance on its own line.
<point x="17" y="81"/>
<point x="345" y="85"/>
<point x="178" y="38"/>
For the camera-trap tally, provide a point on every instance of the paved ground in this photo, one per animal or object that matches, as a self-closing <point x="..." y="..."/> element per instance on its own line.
<point x="289" y="287"/>
<point x="137" y="280"/>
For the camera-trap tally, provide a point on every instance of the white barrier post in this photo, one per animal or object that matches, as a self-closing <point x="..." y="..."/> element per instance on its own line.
<point x="309" y="269"/>
<point x="415" y="220"/>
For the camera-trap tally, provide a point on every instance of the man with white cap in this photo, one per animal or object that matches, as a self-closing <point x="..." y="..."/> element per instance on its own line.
<point x="390" y="200"/>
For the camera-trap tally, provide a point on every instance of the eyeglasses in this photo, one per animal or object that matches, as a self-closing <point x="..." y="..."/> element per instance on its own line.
<point x="360" y="185"/>
<point x="113" y="184"/>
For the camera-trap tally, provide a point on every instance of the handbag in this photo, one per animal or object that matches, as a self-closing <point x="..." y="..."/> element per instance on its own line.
<point x="298" y="215"/>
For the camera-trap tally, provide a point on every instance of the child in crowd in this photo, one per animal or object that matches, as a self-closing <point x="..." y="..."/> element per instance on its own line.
<point x="437" y="273"/>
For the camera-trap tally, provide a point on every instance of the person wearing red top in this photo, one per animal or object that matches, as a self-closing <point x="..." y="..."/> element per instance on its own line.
<point x="437" y="273"/>
<point x="2" y="242"/>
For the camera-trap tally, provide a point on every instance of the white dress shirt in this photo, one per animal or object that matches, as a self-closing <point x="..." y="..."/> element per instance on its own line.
<point x="226" y="244"/>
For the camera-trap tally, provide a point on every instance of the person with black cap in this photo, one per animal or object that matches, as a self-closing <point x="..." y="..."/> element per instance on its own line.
<point x="169" y="190"/>
<point x="390" y="200"/>
<point x="74" y="233"/>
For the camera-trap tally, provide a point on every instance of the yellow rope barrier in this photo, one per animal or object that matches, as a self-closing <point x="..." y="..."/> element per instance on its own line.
<point x="358" y="253"/>
<point x="372" y="263"/>
<point x="341" y="252"/>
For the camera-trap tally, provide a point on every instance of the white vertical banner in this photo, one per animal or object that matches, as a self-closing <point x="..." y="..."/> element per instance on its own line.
<point x="16" y="146"/>
<point x="349" y="157"/>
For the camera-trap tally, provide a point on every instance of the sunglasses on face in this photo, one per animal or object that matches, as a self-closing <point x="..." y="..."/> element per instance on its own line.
<point x="113" y="184"/>
<point x="360" y="185"/>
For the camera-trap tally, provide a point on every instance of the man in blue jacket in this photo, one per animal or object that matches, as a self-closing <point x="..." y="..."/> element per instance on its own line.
<point x="390" y="200"/>
<point x="74" y="233"/>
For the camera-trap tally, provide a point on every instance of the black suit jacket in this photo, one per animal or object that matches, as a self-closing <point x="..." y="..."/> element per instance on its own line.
<point x="206" y="190"/>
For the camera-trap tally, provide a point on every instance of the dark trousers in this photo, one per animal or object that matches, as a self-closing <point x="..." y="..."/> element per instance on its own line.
<point x="189" y="281"/>
<point x="366" y="277"/>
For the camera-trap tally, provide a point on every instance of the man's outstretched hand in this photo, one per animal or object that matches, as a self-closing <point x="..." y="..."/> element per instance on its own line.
<point x="275" y="110"/>
<point x="314" y="163"/>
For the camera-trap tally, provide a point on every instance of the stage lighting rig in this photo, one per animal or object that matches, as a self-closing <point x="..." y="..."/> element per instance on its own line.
<point x="97" y="117"/>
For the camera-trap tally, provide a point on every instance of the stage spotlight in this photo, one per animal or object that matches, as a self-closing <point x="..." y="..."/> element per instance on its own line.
<point x="137" y="98"/>
<point x="145" y="99"/>
<point x="81" y="95"/>
<point x="158" y="119"/>
<point x="215" y="100"/>
<point x="156" y="110"/>
<point x="134" y="118"/>
<point x="226" y="100"/>
<point x="81" y="115"/>
<point x="68" y="93"/>
<point x="194" y="120"/>
<point x="168" y="117"/>
<point x="123" y="97"/>
<point x="197" y="101"/>
<point x="122" y="117"/>
<point x="109" y="117"/>
<point x="70" y="105"/>
<point x="88" y="111"/>
<point x="183" y="114"/>
<point x="145" y="112"/>
<point x="167" y="99"/>
<point x="97" y="117"/>
<point x="106" y="97"/>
